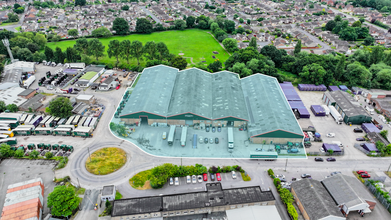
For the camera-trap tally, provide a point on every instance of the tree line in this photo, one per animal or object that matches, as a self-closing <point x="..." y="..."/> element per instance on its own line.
<point x="350" y="33"/>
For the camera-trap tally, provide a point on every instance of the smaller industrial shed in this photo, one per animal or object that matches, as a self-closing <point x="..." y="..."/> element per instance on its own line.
<point x="346" y="198"/>
<point x="314" y="201"/>
<point x="28" y="93"/>
<point x="370" y="147"/>
<point x="87" y="99"/>
<point x="369" y="127"/>
<point x="383" y="105"/>
<point x="108" y="193"/>
<point x="10" y="95"/>
<point x="375" y="137"/>
<point x="91" y="73"/>
<point x="254" y="213"/>
<point x="35" y="103"/>
<point x="77" y="65"/>
<point x="318" y="110"/>
<point x="351" y="111"/>
<point x="109" y="83"/>
<point x="333" y="147"/>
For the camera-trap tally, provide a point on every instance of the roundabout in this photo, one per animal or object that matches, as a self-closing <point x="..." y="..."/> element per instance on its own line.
<point x="106" y="160"/>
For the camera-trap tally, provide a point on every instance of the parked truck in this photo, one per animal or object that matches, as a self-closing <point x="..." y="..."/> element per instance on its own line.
<point x="28" y="82"/>
<point x="183" y="136"/>
<point x="326" y="109"/>
<point x="230" y="139"/>
<point x="337" y="117"/>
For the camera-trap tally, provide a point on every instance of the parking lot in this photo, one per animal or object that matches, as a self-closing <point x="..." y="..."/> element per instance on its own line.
<point x="14" y="171"/>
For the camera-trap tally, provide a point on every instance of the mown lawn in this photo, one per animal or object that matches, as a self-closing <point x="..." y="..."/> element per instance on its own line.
<point x="194" y="43"/>
<point x="106" y="160"/>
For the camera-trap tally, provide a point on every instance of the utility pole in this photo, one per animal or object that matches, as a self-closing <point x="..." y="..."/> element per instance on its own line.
<point x="7" y="45"/>
<point x="286" y="163"/>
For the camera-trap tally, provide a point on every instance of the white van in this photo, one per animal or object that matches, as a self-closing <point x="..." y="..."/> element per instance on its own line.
<point x="337" y="143"/>
<point x="370" y="110"/>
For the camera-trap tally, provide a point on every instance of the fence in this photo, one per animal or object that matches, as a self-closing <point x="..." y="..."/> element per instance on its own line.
<point x="378" y="195"/>
<point x="326" y="153"/>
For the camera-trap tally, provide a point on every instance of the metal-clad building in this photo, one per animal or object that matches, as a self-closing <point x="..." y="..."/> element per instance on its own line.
<point x="351" y="111"/>
<point x="168" y="96"/>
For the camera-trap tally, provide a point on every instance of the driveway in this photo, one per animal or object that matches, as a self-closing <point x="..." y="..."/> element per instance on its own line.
<point x="151" y="14"/>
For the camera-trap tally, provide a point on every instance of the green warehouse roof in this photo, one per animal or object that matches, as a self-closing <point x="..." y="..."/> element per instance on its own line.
<point x="267" y="106"/>
<point x="153" y="91"/>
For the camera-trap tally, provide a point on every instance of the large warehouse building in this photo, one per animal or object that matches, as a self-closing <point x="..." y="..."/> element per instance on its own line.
<point x="193" y="97"/>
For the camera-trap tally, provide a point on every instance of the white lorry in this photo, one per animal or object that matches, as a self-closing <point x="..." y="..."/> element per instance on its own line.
<point x="326" y="109"/>
<point x="370" y="110"/>
<point x="28" y="82"/>
<point x="337" y="117"/>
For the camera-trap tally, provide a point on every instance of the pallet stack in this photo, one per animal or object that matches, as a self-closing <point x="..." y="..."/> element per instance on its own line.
<point x="24" y="200"/>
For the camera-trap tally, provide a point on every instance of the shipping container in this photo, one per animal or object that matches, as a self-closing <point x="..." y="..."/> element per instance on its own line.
<point x="333" y="88"/>
<point x="318" y="110"/>
<point x="343" y="88"/>
<point x="311" y="87"/>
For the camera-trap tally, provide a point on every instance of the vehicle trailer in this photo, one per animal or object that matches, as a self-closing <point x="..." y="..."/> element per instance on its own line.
<point x="9" y="141"/>
<point x="24" y="130"/>
<point x="43" y="131"/>
<point x="62" y="131"/>
<point x="83" y="132"/>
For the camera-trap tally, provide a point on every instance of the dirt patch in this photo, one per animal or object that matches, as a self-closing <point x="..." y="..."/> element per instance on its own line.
<point x="146" y="186"/>
<point x="181" y="54"/>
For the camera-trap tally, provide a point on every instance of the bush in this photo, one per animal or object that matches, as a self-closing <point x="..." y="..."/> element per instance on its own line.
<point x="292" y="211"/>
<point x="48" y="155"/>
<point x="277" y="182"/>
<point x="270" y="172"/>
<point x="34" y="154"/>
<point x="19" y="153"/>
<point x="245" y="177"/>
<point x="63" y="162"/>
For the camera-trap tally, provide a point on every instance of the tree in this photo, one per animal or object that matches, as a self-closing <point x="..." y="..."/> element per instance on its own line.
<point x="19" y="153"/>
<point x="248" y="21"/>
<point x="81" y="45"/>
<point x="330" y="25"/>
<point x="56" y="38"/>
<point x="73" y="32"/>
<point x="230" y="44"/>
<point x="125" y="7"/>
<point x="125" y="49"/>
<point x="48" y="155"/>
<point x="220" y="34"/>
<point x="59" y="56"/>
<point x="12" y="17"/>
<point x="63" y="200"/>
<point x="151" y="50"/>
<point x="32" y="47"/>
<point x="180" y="24"/>
<point x="357" y="74"/>
<point x="101" y="32"/>
<point x="215" y="66"/>
<point x="136" y="50"/>
<point x="214" y="26"/>
<point x="229" y="26"/>
<point x="362" y="20"/>
<point x="349" y="34"/>
<point x="12" y="108"/>
<point x="95" y="48"/>
<point x="369" y="41"/>
<point x="313" y="73"/>
<point x="179" y="62"/>
<point x="190" y="21"/>
<point x="40" y="39"/>
<point x="383" y="80"/>
<point x="274" y="54"/>
<point x="337" y="18"/>
<point x="3" y="107"/>
<point x="114" y="49"/>
<point x="376" y="55"/>
<point x="39" y="57"/>
<point x="71" y="54"/>
<point x="60" y="107"/>
<point x="162" y="50"/>
<point x="144" y="26"/>
<point x="159" y="27"/>
<point x="24" y="54"/>
<point x="356" y="24"/>
<point x="121" y="26"/>
<point x="34" y="154"/>
<point x="241" y="20"/>
<point x="5" y="151"/>
<point x="340" y="68"/>
<point x="253" y="43"/>
<point x="384" y="134"/>
<point x="80" y="2"/>
<point x="297" y="48"/>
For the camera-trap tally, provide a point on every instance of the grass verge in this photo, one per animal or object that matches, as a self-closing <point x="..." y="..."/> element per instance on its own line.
<point x="6" y="24"/>
<point x="135" y="82"/>
<point x="141" y="180"/>
<point x="106" y="160"/>
<point x="245" y="178"/>
<point x="118" y="195"/>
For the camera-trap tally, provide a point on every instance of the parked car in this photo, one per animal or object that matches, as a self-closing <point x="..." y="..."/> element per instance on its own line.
<point x="258" y="149"/>
<point x="361" y="171"/>
<point x="210" y="140"/>
<point x="218" y="176"/>
<point x="171" y="181"/>
<point x="216" y="140"/>
<point x="212" y="177"/>
<point x="188" y="179"/>
<point x="319" y="159"/>
<point x="360" y="139"/>
<point x="331" y="159"/>
<point x="218" y="129"/>
<point x="201" y="140"/>
<point x="176" y="181"/>
<point x="358" y="130"/>
<point x="365" y="175"/>
<point x="280" y="176"/>
<point x="213" y="129"/>
<point x="335" y="173"/>
<point x="321" y="149"/>
<point x="305" y="175"/>
<point x="207" y="128"/>
<point x="164" y="136"/>
<point x="233" y="175"/>
<point x="194" y="179"/>
<point x="331" y="135"/>
<point x="206" y="140"/>
<point x="199" y="177"/>
<point x="119" y="85"/>
<point x="205" y="177"/>
<point x="76" y="89"/>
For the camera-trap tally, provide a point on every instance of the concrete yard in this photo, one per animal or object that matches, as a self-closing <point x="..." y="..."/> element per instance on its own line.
<point x="15" y="171"/>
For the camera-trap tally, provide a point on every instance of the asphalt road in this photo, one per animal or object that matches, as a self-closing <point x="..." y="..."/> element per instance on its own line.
<point x="151" y="14"/>
<point x="315" y="39"/>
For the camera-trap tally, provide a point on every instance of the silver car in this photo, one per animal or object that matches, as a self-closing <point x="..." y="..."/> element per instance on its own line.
<point x="210" y="140"/>
<point x="194" y="178"/>
<point x="188" y="179"/>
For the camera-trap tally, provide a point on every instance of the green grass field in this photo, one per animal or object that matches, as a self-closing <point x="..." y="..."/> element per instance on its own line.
<point x="6" y="24"/>
<point x="194" y="43"/>
<point x="88" y="75"/>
